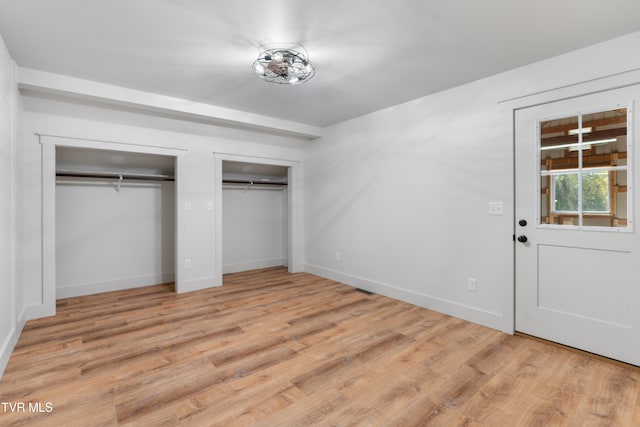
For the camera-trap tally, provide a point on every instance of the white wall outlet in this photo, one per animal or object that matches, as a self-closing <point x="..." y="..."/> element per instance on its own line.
<point x="496" y="208"/>
<point x="338" y="256"/>
<point x="209" y="206"/>
<point x="472" y="284"/>
<point x="187" y="205"/>
<point x="187" y="263"/>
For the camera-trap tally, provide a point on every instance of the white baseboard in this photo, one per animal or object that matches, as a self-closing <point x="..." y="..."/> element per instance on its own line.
<point x="37" y="311"/>
<point x="253" y="265"/>
<point x="10" y="342"/>
<point x="452" y="308"/>
<point x="198" y="284"/>
<point x="80" y="289"/>
<point x="7" y="348"/>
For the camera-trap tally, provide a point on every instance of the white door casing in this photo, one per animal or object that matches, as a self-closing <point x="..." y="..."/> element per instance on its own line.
<point x="576" y="283"/>
<point x="295" y="208"/>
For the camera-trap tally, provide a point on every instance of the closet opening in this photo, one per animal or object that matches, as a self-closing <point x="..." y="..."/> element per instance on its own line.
<point x="255" y="216"/>
<point x="115" y="221"/>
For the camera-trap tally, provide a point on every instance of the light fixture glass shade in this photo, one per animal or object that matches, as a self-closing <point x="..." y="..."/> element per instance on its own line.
<point x="284" y="66"/>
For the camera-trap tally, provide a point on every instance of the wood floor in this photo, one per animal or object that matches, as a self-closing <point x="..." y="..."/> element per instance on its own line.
<point x="274" y="349"/>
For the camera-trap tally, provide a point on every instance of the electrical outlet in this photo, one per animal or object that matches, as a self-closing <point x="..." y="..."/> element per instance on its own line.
<point x="338" y="256"/>
<point x="496" y="208"/>
<point x="187" y="263"/>
<point x="472" y="284"/>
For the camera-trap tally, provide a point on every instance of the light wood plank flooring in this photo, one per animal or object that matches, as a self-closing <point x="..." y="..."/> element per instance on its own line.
<point x="271" y="348"/>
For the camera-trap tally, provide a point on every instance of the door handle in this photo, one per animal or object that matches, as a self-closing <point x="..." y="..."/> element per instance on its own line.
<point x="522" y="239"/>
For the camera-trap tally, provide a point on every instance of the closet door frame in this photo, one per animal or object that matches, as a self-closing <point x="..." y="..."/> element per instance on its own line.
<point x="295" y="206"/>
<point x="48" y="150"/>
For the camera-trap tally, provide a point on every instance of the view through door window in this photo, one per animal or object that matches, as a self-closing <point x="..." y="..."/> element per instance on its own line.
<point x="584" y="164"/>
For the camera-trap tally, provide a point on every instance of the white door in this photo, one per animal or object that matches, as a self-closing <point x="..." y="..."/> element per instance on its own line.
<point x="577" y="248"/>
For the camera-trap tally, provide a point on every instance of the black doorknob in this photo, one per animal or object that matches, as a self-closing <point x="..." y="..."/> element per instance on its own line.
<point x="522" y="222"/>
<point x="522" y="239"/>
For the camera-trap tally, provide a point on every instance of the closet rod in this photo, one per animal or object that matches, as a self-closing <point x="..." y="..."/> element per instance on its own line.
<point x="253" y="187"/>
<point x="265" y="183"/>
<point x="115" y="175"/>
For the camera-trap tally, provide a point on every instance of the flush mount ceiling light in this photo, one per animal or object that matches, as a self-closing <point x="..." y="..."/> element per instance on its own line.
<point x="284" y="65"/>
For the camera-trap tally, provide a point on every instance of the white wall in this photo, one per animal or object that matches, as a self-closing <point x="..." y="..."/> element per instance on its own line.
<point x="402" y="194"/>
<point x="253" y="229"/>
<point x="11" y="307"/>
<point x="108" y="240"/>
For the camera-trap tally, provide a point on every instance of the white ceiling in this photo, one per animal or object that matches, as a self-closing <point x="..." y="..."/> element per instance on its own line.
<point x="368" y="54"/>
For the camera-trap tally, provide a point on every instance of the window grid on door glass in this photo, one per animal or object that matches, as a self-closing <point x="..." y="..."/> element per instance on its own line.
<point x="584" y="165"/>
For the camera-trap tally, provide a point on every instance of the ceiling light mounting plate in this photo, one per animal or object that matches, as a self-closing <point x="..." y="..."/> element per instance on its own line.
<point x="283" y="64"/>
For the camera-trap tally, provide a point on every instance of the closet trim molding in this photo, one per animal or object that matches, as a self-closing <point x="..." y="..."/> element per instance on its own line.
<point x="48" y="196"/>
<point x="101" y="144"/>
<point x="295" y="213"/>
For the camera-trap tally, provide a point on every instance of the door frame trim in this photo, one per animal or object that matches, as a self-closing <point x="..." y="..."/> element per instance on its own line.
<point x="508" y="109"/>
<point x="295" y="206"/>
<point x="47" y="305"/>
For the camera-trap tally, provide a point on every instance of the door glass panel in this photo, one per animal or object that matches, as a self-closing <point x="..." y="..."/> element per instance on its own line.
<point x="565" y="193"/>
<point x="558" y="154"/>
<point x="583" y="170"/>
<point x="595" y="192"/>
